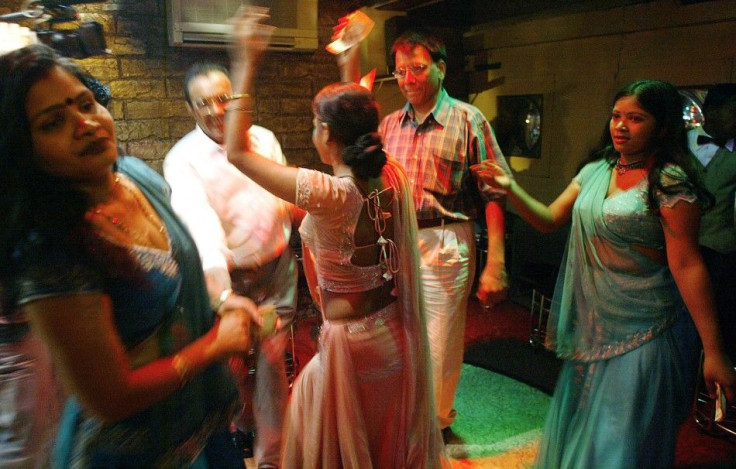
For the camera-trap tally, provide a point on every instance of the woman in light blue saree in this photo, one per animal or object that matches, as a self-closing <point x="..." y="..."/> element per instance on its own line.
<point x="631" y="273"/>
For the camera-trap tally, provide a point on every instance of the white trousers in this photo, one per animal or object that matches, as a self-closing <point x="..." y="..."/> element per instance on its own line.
<point x="447" y="270"/>
<point x="264" y="395"/>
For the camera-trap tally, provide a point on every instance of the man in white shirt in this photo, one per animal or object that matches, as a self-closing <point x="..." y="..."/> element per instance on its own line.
<point x="242" y="233"/>
<point x="715" y="159"/>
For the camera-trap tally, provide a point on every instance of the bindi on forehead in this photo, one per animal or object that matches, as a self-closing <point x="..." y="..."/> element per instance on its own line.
<point x="67" y="102"/>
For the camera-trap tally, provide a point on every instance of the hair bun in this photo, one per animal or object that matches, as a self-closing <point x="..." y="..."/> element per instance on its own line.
<point x="366" y="156"/>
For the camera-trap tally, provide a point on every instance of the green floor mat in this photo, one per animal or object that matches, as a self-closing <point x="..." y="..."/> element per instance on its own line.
<point x="495" y="414"/>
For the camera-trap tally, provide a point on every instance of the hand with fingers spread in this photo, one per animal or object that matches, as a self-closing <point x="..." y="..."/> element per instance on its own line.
<point x="492" y="174"/>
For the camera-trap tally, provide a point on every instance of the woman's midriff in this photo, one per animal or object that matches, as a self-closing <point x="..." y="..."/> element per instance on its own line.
<point x="357" y="304"/>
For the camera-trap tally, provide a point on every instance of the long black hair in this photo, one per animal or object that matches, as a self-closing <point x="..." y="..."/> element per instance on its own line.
<point x="33" y="201"/>
<point x="351" y="111"/>
<point x="662" y="100"/>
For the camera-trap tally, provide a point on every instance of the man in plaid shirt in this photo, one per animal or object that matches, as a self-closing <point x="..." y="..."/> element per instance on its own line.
<point x="437" y="138"/>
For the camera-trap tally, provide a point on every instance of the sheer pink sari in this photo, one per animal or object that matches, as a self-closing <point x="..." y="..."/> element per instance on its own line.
<point x="365" y="400"/>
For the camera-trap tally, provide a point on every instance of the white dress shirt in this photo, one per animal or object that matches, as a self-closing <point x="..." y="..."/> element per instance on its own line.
<point x="705" y="152"/>
<point x="235" y="223"/>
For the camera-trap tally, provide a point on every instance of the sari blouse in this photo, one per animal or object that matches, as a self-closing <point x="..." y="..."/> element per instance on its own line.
<point x="609" y="297"/>
<point x="335" y="202"/>
<point x="154" y="318"/>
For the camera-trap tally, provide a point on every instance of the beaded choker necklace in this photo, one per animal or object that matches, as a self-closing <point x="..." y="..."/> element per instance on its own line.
<point x="117" y="221"/>
<point x="622" y="168"/>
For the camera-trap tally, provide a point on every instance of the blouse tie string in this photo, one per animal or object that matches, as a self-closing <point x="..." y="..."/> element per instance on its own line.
<point x="388" y="258"/>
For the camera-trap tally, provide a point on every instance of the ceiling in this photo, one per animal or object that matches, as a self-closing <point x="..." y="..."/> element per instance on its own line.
<point x="467" y="13"/>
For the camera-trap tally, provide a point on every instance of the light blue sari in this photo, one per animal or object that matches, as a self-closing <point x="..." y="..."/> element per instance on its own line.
<point x="620" y="324"/>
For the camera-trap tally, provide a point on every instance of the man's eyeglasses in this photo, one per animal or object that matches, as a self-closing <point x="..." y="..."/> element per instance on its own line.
<point x="415" y="70"/>
<point x="205" y="104"/>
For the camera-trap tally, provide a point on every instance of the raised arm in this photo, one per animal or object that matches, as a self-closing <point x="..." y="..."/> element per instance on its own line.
<point x="545" y="218"/>
<point x="94" y="364"/>
<point x="250" y="39"/>
<point x="349" y="64"/>
<point x="681" y="223"/>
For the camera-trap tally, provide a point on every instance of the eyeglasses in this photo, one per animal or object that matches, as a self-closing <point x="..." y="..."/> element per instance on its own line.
<point x="415" y="70"/>
<point x="205" y="104"/>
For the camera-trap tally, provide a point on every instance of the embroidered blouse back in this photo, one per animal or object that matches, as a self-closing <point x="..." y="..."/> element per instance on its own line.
<point x="335" y="205"/>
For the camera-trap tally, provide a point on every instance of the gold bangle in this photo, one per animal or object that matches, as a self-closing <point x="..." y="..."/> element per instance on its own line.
<point x="241" y="109"/>
<point x="223" y="297"/>
<point x="238" y="96"/>
<point x="182" y="367"/>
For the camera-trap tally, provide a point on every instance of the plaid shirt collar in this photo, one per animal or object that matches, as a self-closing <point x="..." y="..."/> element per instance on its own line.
<point x="440" y="112"/>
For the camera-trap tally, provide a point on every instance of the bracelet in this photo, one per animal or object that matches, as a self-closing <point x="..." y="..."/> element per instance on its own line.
<point x="183" y="368"/>
<point x="223" y="297"/>
<point x="239" y="96"/>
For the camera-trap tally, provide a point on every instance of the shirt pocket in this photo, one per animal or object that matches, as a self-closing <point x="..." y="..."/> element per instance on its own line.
<point x="447" y="172"/>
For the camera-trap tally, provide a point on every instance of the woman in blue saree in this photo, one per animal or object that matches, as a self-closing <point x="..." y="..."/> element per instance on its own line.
<point x="631" y="273"/>
<point x="94" y="258"/>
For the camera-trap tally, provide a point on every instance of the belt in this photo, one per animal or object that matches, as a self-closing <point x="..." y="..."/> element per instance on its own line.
<point x="435" y="222"/>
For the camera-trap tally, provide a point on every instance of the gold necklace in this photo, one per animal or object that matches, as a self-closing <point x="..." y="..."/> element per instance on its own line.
<point x="117" y="221"/>
<point x="622" y="168"/>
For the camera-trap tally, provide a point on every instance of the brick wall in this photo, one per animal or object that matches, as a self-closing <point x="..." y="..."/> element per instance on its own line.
<point x="145" y="76"/>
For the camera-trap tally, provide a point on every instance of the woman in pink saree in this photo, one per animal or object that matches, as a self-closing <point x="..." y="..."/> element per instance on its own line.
<point x="365" y="399"/>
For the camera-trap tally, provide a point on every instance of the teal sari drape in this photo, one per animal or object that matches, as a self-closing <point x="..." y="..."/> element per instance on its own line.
<point x="610" y="297"/>
<point x="170" y="310"/>
<point x="620" y="324"/>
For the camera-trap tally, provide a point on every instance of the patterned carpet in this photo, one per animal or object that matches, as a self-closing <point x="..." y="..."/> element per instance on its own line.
<point x="499" y="421"/>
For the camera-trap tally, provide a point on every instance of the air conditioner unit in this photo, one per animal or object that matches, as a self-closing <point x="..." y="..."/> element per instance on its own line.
<point x="204" y="22"/>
